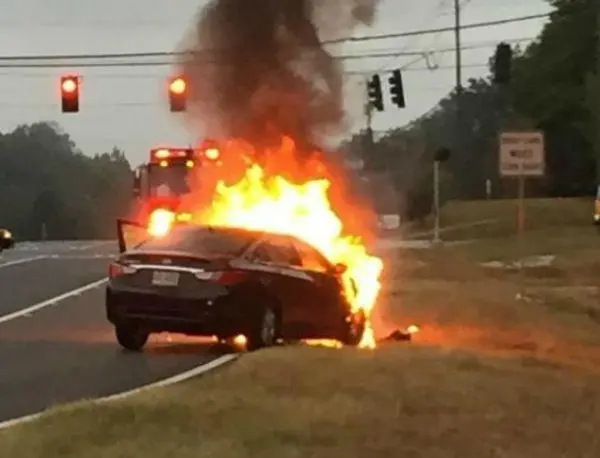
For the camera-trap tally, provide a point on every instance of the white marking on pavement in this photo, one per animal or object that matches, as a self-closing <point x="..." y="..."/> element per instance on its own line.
<point x="196" y="371"/>
<point x="22" y="261"/>
<point x="82" y="256"/>
<point x="52" y="301"/>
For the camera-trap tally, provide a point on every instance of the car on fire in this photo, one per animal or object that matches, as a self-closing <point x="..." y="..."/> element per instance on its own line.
<point x="225" y="282"/>
<point x="6" y="239"/>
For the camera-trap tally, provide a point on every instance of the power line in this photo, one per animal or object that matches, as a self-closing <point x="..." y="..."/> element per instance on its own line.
<point x="406" y="67"/>
<point x="474" y="25"/>
<point x="423" y="54"/>
<point x="172" y="54"/>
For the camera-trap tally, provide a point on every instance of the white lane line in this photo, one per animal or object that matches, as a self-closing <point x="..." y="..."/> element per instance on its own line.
<point x="98" y="244"/>
<point x="82" y="256"/>
<point x="196" y="371"/>
<point x="53" y="300"/>
<point x="21" y="261"/>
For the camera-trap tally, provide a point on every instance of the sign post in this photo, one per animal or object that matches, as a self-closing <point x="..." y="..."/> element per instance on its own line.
<point x="522" y="156"/>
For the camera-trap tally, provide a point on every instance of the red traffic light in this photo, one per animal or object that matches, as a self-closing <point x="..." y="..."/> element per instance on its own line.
<point x="69" y="89"/>
<point x="178" y="86"/>
<point x="69" y="85"/>
<point x="177" y="94"/>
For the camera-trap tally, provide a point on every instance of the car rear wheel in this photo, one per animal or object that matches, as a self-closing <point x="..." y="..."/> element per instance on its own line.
<point x="264" y="332"/>
<point x="354" y="329"/>
<point x="131" y="337"/>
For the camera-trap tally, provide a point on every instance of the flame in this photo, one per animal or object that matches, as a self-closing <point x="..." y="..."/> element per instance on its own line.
<point x="272" y="203"/>
<point x="160" y="222"/>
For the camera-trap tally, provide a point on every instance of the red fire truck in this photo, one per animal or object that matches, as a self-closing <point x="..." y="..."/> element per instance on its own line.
<point x="161" y="184"/>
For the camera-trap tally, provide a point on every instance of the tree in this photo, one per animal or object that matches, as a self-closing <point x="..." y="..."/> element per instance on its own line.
<point x="554" y="82"/>
<point x="48" y="186"/>
<point x="554" y="87"/>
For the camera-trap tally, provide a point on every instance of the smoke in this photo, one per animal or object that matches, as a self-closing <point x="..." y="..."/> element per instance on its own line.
<point x="258" y="69"/>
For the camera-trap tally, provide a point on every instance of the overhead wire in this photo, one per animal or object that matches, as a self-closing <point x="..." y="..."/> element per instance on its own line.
<point x="7" y="60"/>
<point x="370" y="55"/>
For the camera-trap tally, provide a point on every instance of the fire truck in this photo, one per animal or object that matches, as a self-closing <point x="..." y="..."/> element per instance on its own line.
<point x="160" y="185"/>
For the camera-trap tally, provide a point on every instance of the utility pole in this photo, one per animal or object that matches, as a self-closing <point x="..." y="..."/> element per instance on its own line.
<point x="460" y="143"/>
<point x="596" y="93"/>
<point x="457" y="45"/>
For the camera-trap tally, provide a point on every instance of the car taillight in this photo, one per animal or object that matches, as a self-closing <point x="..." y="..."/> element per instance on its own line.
<point x="114" y="270"/>
<point x="223" y="277"/>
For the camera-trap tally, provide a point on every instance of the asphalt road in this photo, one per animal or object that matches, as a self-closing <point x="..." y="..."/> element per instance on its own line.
<point x="65" y="351"/>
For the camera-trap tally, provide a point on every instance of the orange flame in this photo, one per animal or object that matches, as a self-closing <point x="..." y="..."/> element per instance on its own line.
<point x="274" y="204"/>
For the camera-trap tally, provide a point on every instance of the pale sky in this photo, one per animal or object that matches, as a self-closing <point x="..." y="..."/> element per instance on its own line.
<point x="127" y="107"/>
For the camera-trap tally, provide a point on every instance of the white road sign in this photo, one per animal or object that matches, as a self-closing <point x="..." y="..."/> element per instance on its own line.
<point x="522" y="153"/>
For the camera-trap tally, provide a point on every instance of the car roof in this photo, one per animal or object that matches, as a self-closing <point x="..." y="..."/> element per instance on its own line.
<point x="255" y="233"/>
<point x="241" y="230"/>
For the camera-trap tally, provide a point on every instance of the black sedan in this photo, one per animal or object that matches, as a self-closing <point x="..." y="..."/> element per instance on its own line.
<point x="6" y="239"/>
<point x="225" y="282"/>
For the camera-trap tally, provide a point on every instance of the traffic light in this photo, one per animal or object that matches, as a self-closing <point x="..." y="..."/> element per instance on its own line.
<point x="502" y="67"/>
<point x="397" y="89"/>
<point x="177" y="94"/>
<point x="69" y="93"/>
<point x="374" y="92"/>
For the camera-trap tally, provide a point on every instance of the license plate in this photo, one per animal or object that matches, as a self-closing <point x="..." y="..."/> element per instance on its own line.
<point x="165" y="278"/>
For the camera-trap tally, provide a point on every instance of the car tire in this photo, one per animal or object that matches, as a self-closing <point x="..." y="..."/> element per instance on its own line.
<point x="354" y="329"/>
<point x="130" y="337"/>
<point x="264" y="332"/>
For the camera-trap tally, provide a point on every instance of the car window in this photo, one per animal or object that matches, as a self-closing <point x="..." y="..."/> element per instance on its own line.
<point x="277" y="251"/>
<point x="202" y="241"/>
<point x="311" y="259"/>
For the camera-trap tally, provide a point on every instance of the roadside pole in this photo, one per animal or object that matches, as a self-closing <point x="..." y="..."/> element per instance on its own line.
<point x="436" y="202"/>
<point x="521" y="233"/>
<point x="521" y="156"/>
<point x="441" y="155"/>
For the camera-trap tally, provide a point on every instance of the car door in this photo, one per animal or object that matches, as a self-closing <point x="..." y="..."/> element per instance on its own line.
<point x="325" y="301"/>
<point x="277" y="256"/>
<point x="130" y="234"/>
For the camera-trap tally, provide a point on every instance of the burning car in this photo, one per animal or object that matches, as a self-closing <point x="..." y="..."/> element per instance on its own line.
<point x="224" y="281"/>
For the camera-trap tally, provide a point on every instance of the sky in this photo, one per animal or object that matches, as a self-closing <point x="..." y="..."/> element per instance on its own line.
<point x="127" y="107"/>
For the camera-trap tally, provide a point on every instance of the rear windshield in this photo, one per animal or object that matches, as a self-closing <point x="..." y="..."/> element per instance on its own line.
<point x="202" y="241"/>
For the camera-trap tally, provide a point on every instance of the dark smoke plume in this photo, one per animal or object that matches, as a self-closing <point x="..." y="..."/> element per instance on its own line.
<point x="258" y="69"/>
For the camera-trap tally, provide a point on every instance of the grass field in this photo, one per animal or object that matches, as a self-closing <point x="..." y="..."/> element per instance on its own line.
<point x="498" y="218"/>
<point x="488" y="375"/>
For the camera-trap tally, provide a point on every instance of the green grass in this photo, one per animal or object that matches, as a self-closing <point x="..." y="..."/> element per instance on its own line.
<point x="398" y="401"/>
<point x="487" y="376"/>
<point x="462" y="220"/>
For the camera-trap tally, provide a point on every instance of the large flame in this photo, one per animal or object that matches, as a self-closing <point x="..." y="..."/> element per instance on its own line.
<point x="272" y="203"/>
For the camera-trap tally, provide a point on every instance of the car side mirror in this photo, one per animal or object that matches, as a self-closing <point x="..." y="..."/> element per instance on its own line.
<point x="340" y="268"/>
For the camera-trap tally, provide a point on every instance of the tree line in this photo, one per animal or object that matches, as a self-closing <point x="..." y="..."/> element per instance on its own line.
<point x="554" y="86"/>
<point x="51" y="190"/>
